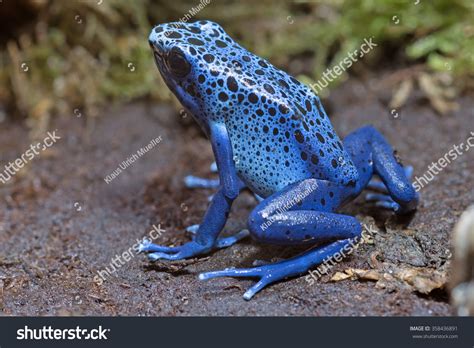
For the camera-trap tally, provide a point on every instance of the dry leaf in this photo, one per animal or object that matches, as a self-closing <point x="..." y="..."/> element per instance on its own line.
<point x="338" y="276"/>
<point x="401" y="94"/>
<point x="422" y="280"/>
<point x="435" y="92"/>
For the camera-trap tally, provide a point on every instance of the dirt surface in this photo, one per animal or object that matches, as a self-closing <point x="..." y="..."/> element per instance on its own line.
<point x="61" y="223"/>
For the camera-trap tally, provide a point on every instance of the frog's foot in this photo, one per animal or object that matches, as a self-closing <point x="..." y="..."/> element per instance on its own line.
<point x="383" y="199"/>
<point x="377" y="185"/>
<point x="190" y="249"/>
<point x="387" y="202"/>
<point x="267" y="275"/>
<point x="275" y="272"/>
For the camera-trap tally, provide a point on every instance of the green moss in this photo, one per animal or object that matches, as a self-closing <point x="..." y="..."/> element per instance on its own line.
<point x="106" y="56"/>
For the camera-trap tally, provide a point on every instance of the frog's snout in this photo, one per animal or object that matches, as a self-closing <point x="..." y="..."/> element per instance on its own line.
<point x="156" y="46"/>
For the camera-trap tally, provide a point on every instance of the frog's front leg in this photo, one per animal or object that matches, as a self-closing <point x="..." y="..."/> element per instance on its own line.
<point x="216" y="216"/>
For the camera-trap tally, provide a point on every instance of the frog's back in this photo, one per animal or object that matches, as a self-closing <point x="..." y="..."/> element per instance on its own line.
<point x="279" y="130"/>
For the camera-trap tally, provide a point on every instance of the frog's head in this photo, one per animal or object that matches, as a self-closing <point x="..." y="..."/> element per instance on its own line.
<point x="186" y="56"/>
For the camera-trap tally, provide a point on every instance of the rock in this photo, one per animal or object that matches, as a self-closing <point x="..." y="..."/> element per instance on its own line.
<point x="462" y="277"/>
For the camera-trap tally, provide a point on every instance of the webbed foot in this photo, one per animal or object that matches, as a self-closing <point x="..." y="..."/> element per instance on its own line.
<point x="190" y="249"/>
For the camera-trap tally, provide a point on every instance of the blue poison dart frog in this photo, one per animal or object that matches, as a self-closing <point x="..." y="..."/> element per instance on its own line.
<point x="271" y="135"/>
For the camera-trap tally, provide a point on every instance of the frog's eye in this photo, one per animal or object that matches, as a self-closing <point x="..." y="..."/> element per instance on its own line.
<point x="177" y="63"/>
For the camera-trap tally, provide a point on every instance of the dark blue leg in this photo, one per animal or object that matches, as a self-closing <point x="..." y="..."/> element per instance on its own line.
<point x="372" y="154"/>
<point x="272" y="273"/>
<point x="303" y="213"/>
<point x="206" y="235"/>
<point x="378" y="185"/>
<point x="216" y="216"/>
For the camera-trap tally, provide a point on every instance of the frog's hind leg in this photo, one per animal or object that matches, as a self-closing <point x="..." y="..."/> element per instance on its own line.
<point x="372" y="154"/>
<point x="302" y="214"/>
<point x="377" y="185"/>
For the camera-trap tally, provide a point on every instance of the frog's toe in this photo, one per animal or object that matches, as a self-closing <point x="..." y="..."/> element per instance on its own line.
<point x="159" y="255"/>
<point x="225" y="242"/>
<point x="383" y="201"/>
<point x="231" y="272"/>
<point x="147" y="246"/>
<point x="213" y="167"/>
<point x="192" y="229"/>
<point x="388" y="205"/>
<point x="377" y="185"/>
<point x="242" y="272"/>
<point x="192" y="181"/>
<point x="375" y="197"/>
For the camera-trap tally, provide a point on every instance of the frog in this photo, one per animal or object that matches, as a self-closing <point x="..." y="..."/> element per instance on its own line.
<point x="270" y="134"/>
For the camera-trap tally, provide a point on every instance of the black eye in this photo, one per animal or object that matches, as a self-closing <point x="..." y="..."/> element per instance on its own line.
<point x="177" y="63"/>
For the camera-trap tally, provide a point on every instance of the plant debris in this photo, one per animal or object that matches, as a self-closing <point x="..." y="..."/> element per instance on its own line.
<point x="422" y="280"/>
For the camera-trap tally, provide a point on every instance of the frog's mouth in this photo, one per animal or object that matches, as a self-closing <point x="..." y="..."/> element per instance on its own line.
<point x="159" y="61"/>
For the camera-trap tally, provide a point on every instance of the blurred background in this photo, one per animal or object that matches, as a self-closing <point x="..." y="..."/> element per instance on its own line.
<point x="70" y="57"/>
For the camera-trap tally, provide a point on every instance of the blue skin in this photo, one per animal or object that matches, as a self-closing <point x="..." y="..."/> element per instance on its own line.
<point x="270" y="134"/>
